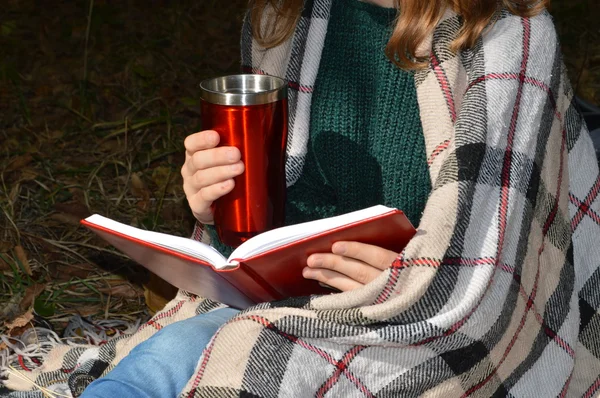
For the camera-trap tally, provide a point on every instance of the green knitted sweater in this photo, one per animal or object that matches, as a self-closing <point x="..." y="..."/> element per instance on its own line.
<point x="366" y="144"/>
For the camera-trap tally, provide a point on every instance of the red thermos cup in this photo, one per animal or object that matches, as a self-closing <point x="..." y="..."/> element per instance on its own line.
<point x="249" y="112"/>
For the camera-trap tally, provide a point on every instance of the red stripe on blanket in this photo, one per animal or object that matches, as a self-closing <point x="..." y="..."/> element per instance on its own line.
<point x="198" y="232"/>
<point x="340" y="366"/>
<point x="397" y="265"/>
<point x="22" y="363"/>
<point x="547" y="329"/>
<point x="294" y="339"/>
<point x="549" y="220"/>
<point x="451" y="261"/>
<point x="440" y="74"/>
<point x="584" y="207"/>
<point x="563" y="392"/>
<point x="552" y="215"/>
<point x="554" y="336"/>
<point x="156" y="325"/>
<point x="506" y="168"/>
<point x="438" y="149"/>
<point x="510" y="76"/>
<point x="593" y="388"/>
<point x="514" y="76"/>
<point x="530" y="299"/>
<point x="300" y="87"/>
<point x="528" y="80"/>
<point x="401" y="263"/>
<point x="507" y="350"/>
<point x="505" y="185"/>
<point x="172" y="311"/>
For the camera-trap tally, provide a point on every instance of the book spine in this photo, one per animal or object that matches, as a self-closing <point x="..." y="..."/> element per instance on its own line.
<point x="250" y="283"/>
<point x="275" y="295"/>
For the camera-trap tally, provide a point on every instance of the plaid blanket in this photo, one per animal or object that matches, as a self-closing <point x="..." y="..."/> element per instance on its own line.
<point x="497" y="293"/>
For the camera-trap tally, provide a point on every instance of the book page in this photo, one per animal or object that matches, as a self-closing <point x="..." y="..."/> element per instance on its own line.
<point x="281" y="236"/>
<point x="179" y="244"/>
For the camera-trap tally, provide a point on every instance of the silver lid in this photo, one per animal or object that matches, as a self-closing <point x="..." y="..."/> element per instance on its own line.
<point x="243" y="90"/>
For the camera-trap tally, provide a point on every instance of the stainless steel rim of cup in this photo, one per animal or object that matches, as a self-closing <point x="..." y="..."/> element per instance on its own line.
<point x="242" y="90"/>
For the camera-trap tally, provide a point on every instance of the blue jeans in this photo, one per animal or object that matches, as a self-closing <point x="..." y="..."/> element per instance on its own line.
<point x="162" y="365"/>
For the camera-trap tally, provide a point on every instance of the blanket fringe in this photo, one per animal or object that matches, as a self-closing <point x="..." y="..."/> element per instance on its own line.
<point x="29" y="351"/>
<point x="101" y="331"/>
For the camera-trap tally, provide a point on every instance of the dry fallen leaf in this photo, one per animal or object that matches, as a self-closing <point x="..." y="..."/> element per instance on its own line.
<point x="20" y="321"/>
<point x="5" y="246"/>
<point x="139" y="190"/>
<point x="121" y="288"/>
<point x="11" y="309"/>
<point x="137" y="185"/>
<point x="3" y="265"/>
<point x="158" y="293"/>
<point x="14" y="193"/>
<point x="89" y="310"/>
<point x="162" y="178"/>
<point x="30" y="295"/>
<point x="73" y="208"/>
<point x="64" y="272"/>
<point x="18" y="162"/>
<point x="22" y="257"/>
<point x="28" y="174"/>
<point x="67" y="219"/>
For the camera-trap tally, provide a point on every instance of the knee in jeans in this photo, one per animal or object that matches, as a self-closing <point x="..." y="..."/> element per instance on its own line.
<point x="168" y="338"/>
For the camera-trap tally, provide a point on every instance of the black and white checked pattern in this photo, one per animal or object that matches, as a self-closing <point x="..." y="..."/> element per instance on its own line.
<point x="298" y="62"/>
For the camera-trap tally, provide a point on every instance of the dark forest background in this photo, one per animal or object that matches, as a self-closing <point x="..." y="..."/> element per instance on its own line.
<point x="96" y="98"/>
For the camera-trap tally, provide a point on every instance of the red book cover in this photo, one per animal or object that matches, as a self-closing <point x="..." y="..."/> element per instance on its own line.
<point x="273" y="275"/>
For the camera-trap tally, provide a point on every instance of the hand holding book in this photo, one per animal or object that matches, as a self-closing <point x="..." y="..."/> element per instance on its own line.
<point x="350" y="265"/>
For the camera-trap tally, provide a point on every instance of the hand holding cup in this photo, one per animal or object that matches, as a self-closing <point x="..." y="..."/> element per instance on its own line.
<point x="208" y="172"/>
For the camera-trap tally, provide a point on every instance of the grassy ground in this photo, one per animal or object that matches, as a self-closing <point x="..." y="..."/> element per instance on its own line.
<point x="96" y="98"/>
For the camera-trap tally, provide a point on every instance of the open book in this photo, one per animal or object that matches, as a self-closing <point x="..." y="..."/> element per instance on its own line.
<point x="266" y="267"/>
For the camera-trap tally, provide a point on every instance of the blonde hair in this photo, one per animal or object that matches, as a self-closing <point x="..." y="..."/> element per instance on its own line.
<point x="413" y="25"/>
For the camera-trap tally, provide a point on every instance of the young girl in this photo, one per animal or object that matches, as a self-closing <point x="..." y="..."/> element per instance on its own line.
<point x="457" y="112"/>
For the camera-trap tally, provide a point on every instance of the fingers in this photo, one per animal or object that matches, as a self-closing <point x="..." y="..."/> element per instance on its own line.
<point x="199" y="141"/>
<point x="208" y="172"/>
<point x="201" y="154"/>
<point x="357" y="270"/>
<point x="213" y="192"/>
<point x="331" y="278"/>
<point x="200" y="202"/>
<point x="214" y="175"/>
<point x="203" y="160"/>
<point x="210" y="158"/>
<point x="373" y="255"/>
<point x="350" y="265"/>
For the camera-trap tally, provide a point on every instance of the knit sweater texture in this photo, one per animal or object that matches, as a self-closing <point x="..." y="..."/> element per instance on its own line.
<point x="366" y="144"/>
